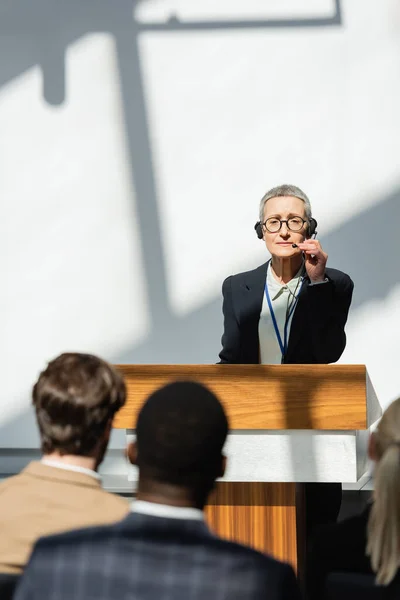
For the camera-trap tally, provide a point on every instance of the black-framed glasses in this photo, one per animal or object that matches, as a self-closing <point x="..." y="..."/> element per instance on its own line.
<point x="273" y="224"/>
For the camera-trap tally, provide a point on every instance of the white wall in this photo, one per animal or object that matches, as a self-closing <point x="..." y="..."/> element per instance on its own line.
<point x="134" y="151"/>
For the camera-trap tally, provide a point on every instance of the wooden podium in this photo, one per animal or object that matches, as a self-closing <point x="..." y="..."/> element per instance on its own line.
<point x="289" y="424"/>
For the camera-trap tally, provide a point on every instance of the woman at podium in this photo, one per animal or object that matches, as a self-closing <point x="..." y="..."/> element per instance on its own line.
<point x="292" y="309"/>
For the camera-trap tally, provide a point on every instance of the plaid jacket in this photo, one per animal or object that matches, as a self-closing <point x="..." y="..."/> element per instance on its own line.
<point x="145" y="557"/>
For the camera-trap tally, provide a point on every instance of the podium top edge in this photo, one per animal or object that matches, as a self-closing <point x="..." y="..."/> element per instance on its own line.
<point x="241" y="365"/>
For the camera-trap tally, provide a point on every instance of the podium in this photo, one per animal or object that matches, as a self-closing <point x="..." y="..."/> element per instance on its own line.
<point x="289" y="424"/>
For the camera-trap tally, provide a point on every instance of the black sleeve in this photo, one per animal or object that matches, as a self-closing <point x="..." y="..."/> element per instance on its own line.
<point x="289" y="588"/>
<point x="230" y="340"/>
<point x="328" y="308"/>
<point x="338" y="547"/>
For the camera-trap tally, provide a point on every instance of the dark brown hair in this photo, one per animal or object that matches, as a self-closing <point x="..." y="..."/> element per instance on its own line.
<point x="75" y="398"/>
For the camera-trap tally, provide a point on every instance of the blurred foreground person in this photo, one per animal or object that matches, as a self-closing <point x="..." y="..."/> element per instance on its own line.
<point x="75" y="400"/>
<point x="370" y="542"/>
<point x="163" y="548"/>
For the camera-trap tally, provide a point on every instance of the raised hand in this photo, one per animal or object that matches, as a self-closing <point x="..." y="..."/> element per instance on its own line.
<point x="315" y="260"/>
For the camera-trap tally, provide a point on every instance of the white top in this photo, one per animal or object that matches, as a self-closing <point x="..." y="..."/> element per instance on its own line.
<point x="281" y="297"/>
<point x="168" y="512"/>
<point x="61" y="465"/>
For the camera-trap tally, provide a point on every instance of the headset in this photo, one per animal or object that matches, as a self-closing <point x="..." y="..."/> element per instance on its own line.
<point x="312" y="228"/>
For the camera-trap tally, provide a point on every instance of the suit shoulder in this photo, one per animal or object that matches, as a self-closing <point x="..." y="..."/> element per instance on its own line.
<point x="6" y="483"/>
<point x="339" y="277"/>
<point x="114" y="502"/>
<point x="75" y="537"/>
<point x="257" y="559"/>
<point x="239" y="278"/>
<point x="10" y="482"/>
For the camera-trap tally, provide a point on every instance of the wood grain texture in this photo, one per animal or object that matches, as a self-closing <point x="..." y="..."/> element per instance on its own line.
<point x="326" y="397"/>
<point x="260" y="515"/>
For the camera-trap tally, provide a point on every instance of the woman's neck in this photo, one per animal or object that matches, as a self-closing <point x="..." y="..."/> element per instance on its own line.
<point x="284" y="269"/>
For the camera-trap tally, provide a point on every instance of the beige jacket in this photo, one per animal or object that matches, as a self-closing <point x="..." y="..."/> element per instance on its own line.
<point x="43" y="500"/>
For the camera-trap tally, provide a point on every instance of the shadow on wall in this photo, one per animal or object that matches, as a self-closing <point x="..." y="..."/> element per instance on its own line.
<point x="41" y="33"/>
<point x="48" y="27"/>
<point x="38" y="33"/>
<point x="364" y="248"/>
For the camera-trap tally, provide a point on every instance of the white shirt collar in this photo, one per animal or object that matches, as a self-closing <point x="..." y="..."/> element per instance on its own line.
<point x="275" y="288"/>
<point x="58" y="464"/>
<point x="169" y="512"/>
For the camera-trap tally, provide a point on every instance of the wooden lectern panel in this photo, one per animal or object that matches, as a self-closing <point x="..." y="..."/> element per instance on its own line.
<point x="325" y="397"/>
<point x="260" y="515"/>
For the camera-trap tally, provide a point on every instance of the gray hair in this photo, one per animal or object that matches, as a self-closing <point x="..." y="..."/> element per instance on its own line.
<point x="286" y="190"/>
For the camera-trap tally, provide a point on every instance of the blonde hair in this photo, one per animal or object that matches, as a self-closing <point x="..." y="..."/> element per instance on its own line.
<point x="383" y="534"/>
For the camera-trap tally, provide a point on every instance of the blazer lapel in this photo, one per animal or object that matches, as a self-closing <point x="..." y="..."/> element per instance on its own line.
<point x="252" y="294"/>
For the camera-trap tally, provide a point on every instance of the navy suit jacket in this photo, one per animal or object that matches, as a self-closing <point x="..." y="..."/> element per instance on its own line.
<point x="152" y="558"/>
<point x="317" y="331"/>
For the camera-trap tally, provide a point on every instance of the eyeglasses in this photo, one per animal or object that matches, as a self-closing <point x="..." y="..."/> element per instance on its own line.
<point x="273" y="225"/>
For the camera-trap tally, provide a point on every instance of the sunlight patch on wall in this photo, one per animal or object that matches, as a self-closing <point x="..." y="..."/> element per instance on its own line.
<point x="232" y="114"/>
<point x="71" y="263"/>
<point x="156" y="10"/>
<point x="372" y="339"/>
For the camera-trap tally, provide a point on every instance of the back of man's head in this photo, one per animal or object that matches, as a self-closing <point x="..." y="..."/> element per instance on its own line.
<point x="181" y="430"/>
<point x="75" y="399"/>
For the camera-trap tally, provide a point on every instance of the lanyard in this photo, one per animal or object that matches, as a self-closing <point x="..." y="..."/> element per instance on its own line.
<point x="282" y="345"/>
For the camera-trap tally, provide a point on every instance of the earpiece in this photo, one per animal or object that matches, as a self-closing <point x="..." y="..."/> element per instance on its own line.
<point x="312" y="228"/>
<point x="259" y="231"/>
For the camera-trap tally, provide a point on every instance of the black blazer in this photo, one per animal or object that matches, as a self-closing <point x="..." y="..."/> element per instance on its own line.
<point x="148" y="558"/>
<point x="338" y="548"/>
<point x="317" y="331"/>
